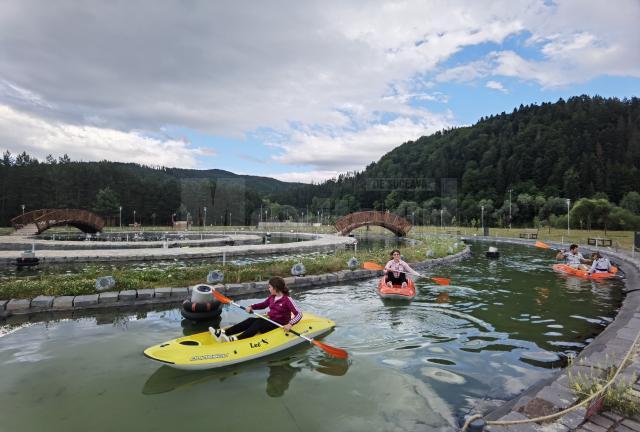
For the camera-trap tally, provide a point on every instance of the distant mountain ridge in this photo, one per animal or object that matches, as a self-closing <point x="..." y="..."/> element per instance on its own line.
<point x="264" y="185"/>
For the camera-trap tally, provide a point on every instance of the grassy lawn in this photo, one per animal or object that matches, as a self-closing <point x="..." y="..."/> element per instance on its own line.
<point x="621" y="240"/>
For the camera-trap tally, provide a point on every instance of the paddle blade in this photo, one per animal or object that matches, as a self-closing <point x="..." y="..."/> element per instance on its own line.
<point x="368" y="265"/>
<point x="335" y="352"/>
<point x="220" y="297"/>
<point x="441" y="280"/>
<point x="542" y="245"/>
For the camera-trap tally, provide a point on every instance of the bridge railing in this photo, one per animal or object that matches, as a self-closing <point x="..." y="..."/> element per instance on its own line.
<point x="47" y="218"/>
<point x="391" y="221"/>
<point x="28" y="218"/>
<point x="83" y="219"/>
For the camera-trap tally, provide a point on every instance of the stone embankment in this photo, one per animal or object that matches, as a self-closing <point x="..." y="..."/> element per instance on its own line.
<point x="150" y="296"/>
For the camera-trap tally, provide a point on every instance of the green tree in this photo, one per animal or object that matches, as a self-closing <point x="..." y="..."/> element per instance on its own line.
<point x="631" y="202"/>
<point x="107" y="202"/>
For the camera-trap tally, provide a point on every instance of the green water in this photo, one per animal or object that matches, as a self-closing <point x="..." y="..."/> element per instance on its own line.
<point x="413" y="366"/>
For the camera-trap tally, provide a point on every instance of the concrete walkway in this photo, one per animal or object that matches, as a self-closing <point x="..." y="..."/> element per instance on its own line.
<point x="312" y="243"/>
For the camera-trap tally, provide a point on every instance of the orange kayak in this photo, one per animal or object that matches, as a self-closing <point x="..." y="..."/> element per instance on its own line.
<point x="396" y="292"/>
<point x="567" y="269"/>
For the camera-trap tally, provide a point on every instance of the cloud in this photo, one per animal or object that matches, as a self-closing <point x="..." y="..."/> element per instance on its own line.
<point x="338" y="73"/>
<point x="576" y="42"/>
<point x="353" y="150"/>
<point x="496" y="86"/>
<point x="39" y="138"/>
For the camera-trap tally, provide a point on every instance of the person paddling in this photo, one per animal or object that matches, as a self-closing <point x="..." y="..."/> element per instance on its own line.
<point x="396" y="270"/>
<point x="600" y="264"/>
<point x="573" y="258"/>
<point x="281" y="309"/>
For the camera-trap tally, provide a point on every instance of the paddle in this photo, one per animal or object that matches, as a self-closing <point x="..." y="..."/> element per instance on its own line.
<point x="336" y="352"/>
<point x="368" y="265"/>
<point x="542" y="245"/>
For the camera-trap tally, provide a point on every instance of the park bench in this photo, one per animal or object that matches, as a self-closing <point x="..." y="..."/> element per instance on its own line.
<point x="529" y="234"/>
<point x="599" y="241"/>
<point x="454" y="232"/>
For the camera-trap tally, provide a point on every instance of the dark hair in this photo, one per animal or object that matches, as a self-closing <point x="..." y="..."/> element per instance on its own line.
<point x="394" y="251"/>
<point x="278" y="284"/>
<point x="573" y="246"/>
<point x="596" y="255"/>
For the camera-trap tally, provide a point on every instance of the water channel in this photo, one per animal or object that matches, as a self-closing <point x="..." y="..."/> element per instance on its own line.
<point x="499" y="328"/>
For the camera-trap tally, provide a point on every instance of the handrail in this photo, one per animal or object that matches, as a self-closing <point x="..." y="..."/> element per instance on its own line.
<point x="391" y="221"/>
<point x="46" y="218"/>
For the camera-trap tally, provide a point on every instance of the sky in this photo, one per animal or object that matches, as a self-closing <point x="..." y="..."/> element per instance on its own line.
<point x="299" y="91"/>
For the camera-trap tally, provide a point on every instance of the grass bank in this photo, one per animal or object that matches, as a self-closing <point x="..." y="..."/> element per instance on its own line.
<point x="147" y="276"/>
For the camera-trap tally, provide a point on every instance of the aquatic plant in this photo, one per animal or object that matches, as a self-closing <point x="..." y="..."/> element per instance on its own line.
<point x="619" y="397"/>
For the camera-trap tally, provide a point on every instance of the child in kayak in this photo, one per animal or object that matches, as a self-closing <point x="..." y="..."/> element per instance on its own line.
<point x="600" y="264"/>
<point x="281" y="309"/>
<point x="573" y="258"/>
<point x="396" y="270"/>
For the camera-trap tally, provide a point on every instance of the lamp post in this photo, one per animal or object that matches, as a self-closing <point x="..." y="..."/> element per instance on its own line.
<point x="442" y="218"/>
<point x="204" y="222"/>
<point x="134" y="218"/>
<point x="568" y="224"/>
<point x="482" y="218"/>
<point x="229" y="218"/>
<point x="22" y="210"/>
<point x="510" y="208"/>
<point x="120" y="217"/>
<point x="413" y="218"/>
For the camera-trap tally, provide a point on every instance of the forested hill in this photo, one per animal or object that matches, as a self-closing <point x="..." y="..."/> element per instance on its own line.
<point x="568" y="149"/>
<point x="262" y="185"/>
<point x="155" y="193"/>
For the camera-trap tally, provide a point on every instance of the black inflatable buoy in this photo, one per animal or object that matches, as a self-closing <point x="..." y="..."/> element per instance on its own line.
<point x="201" y="311"/>
<point x="202" y="306"/>
<point x="492" y="252"/>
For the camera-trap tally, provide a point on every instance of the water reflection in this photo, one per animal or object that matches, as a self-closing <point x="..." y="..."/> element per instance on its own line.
<point x="279" y="378"/>
<point x="281" y="373"/>
<point x="191" y="327"/>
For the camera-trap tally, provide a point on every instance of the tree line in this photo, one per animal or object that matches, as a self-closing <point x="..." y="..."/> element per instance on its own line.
<point x="127" y="193"/>
<point x="518" y="168"/>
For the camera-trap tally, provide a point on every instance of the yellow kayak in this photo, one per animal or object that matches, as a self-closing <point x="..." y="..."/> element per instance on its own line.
<point x="203" y="351"/>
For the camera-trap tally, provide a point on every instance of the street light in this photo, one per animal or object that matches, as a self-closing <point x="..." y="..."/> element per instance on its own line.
<point x="204" y="222"/>
<point x="482" y="218"/>
<point x="22" y="210"/>
<point x="229" y="218"/>
<point x="413" y="218"/>
<point x="441" y="218"/>
<point x="134" y="218"/>
<point x="510" y="208"/>
<point x="568" y="224"/>
<point x="120" y="217"/>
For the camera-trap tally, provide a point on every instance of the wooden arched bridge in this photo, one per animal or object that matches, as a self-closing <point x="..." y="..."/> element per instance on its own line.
<point x="37" y="221"/>
<point x="394" y="223"/>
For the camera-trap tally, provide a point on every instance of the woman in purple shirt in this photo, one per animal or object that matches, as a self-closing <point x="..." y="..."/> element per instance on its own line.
<point x="281" y="310"/>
